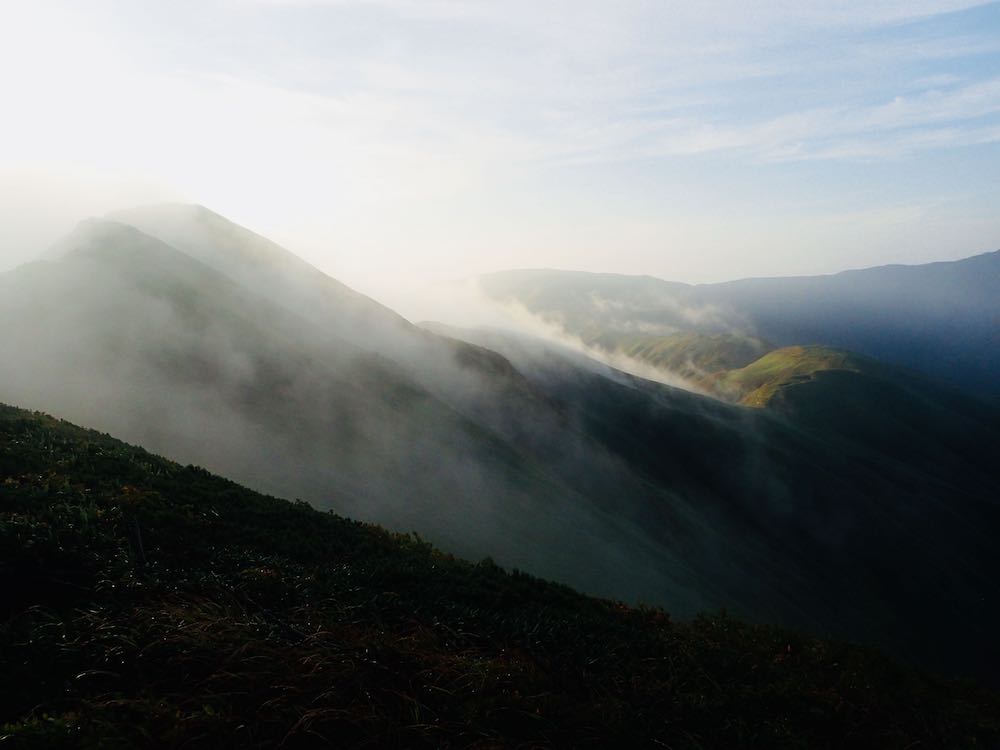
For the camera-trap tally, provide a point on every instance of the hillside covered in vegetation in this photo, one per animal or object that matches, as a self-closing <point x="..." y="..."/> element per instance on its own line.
<point x="148" y="604"/>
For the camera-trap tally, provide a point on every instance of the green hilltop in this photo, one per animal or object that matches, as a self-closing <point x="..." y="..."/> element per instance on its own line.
<point x="149" y="604"/>
<point x="756" y="383"/>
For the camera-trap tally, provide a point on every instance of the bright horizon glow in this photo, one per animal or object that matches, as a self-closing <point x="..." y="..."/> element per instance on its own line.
<point x="396" y="143"/>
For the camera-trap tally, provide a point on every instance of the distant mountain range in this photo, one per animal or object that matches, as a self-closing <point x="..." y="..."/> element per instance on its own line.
<point x="862" y="503"/>
<point x="939" y="319"/>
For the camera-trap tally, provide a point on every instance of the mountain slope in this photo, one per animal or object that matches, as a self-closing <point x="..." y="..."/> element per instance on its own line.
<point x="127" y="334"/>
<point x="453" y="371"/>
<point x="153" y="605"/>
<point x="805" y="501"/>
<point x="269" y="270"/>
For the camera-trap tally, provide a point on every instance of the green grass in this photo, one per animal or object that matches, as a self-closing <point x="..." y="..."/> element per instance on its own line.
<point x="153" y="605"/>
<point x="756" y="383"/>
<point x="740" y="369"/>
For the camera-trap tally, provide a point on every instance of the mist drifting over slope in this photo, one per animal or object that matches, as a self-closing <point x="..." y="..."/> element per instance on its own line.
<point x="126" y="333"/>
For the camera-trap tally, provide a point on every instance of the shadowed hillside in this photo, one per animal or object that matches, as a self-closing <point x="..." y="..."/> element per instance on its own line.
<point x="852" y="487"/>
<point x="153" y="605"/>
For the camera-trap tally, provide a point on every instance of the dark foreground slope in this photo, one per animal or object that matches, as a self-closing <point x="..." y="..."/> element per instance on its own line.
<point x="153" y="605"/>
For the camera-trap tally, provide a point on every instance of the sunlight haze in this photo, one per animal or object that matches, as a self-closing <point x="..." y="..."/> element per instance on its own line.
<point x="395" y="143"/>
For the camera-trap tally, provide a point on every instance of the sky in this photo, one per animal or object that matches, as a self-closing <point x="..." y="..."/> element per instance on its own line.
<point x="395" y="143"/>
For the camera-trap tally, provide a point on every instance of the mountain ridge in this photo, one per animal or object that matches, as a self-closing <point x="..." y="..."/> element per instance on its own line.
<point x="985" y="256"/>
<point x="940" y="319"/>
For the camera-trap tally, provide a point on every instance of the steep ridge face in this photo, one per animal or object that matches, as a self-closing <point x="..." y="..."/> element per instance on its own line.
<point x="550" y="463"/>
<point x="270" y="271"/>
<point x="452" y="370"/>
<point x="941" y="319"/>
<point x="124" y="322"/>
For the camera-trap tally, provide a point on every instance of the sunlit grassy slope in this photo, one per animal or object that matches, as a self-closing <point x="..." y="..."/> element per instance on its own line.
<point x="757" y="382"/>
<point x="148" y="604"/>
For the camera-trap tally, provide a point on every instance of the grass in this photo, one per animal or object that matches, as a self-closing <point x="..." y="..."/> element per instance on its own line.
<point x="153" y="605"/>
<point x="756" y="383"/>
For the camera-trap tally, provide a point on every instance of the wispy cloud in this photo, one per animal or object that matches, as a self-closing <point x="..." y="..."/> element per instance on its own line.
<point x="902" y="125"/>
<point x="480" y="126"/>
<point x="585" y="81"/>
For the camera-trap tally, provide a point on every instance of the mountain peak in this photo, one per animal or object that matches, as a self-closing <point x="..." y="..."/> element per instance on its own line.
<point x="266" y="268"/>
<point x="206" y="235"/>
<point x="106" y="237"/>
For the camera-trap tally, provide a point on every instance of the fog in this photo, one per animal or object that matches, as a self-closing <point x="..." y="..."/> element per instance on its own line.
<point x="128" y="335"/>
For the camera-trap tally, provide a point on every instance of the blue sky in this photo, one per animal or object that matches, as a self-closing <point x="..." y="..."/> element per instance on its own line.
<point x="393" y="142"/>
